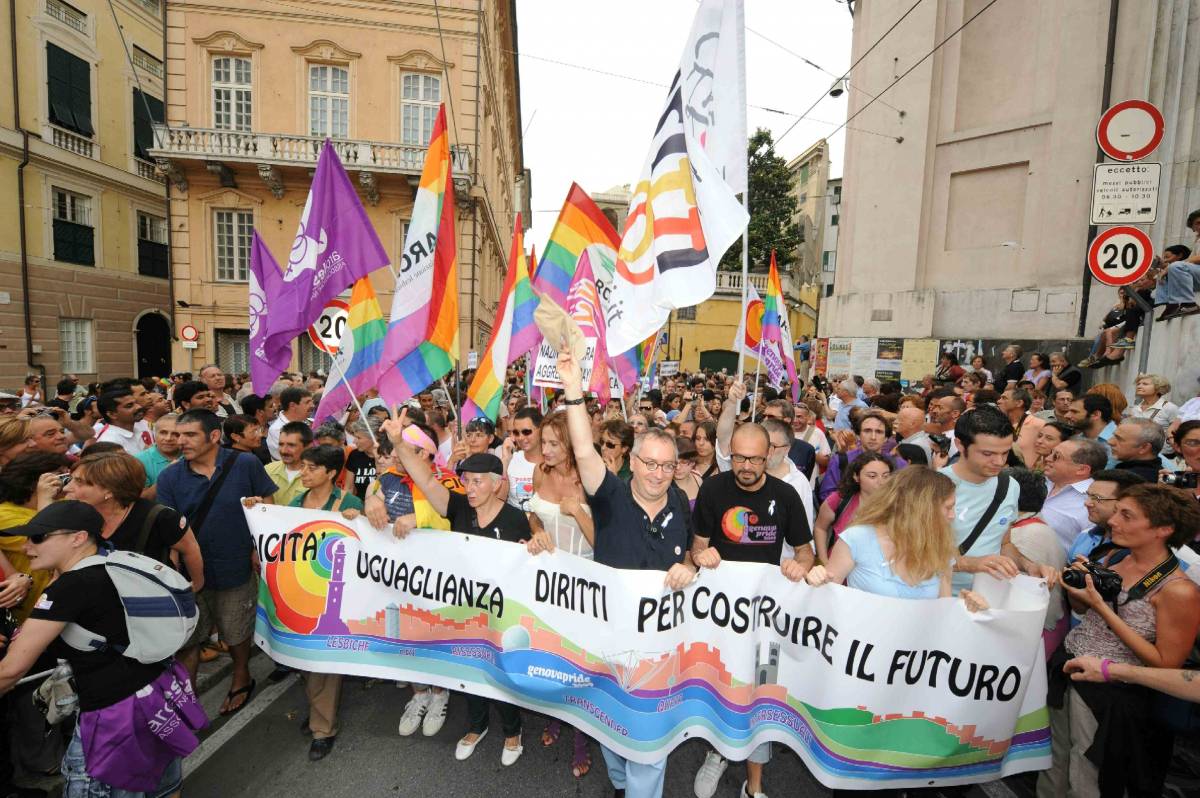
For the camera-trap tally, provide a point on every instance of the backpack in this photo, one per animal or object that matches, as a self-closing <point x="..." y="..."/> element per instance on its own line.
<point x="160" y="608"/>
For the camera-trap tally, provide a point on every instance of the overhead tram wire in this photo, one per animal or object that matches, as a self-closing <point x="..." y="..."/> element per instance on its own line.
<point x="922" y="60"/>
<point x="850" y="69"/>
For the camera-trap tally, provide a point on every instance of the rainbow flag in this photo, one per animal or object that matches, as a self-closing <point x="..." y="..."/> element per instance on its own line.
<point x="516" y="300"/>
<point x="580" y="225"/>
<point x="776" y="328"/>
<point x="422" y="337"/>
<point x="359" y="358"/>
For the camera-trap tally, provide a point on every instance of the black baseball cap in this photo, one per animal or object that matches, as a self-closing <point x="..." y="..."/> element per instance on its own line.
<point x="482" y="463"/>
<point x="68" y="514"/>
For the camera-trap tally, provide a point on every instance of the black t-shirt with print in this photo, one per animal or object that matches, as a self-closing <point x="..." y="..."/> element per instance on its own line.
<point x="361" y="468"/>
<point x="750" y="526"/>
<point x="89" y="598"/>
<point x="509" y="524"/>
<point x="168" y="528"/>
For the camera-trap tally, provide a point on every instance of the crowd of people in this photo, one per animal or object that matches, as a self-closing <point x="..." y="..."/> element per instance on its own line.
<point x="1001" y="468"/>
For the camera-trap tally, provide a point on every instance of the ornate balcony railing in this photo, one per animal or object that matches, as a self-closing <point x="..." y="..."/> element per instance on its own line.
<point x="284" y="149"/>
<point x="72" y="142"/>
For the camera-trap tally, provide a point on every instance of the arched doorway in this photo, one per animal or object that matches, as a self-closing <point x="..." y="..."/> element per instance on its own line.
<point x="152" y="337"/>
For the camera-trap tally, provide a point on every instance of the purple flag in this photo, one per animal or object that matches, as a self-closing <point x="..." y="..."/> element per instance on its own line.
<point x="335" y="246"/>
<point x="265" y="283"/>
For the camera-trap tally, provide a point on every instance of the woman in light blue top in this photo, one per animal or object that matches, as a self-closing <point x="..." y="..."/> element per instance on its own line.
<point x="902" y="543"/>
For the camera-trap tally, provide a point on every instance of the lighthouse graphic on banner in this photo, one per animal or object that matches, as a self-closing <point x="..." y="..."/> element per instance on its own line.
<point x="330" y="622"/>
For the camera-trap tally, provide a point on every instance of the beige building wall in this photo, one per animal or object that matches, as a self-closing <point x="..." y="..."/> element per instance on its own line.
<point x="810" y="177"/>
<point x="976" y="223"/>
<point x="102" y="304"/>
<point x="265" y="171"/>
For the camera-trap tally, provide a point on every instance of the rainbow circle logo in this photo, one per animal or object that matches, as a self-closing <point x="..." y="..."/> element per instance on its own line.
<point x="301" y="583"/>
<point x="734" y="523"/>
<point x="754" y="323"/>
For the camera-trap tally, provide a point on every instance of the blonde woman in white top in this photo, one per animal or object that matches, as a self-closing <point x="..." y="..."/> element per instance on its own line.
<point x="560" y="519"/>
<point x="1151" y="391"/>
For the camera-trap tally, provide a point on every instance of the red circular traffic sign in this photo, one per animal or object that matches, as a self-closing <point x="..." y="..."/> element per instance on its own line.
<point x="189" y="333"/>
<point x="326" y="331"/>
<point x="1130" y="130"/>
<point x="1120" y="255"/>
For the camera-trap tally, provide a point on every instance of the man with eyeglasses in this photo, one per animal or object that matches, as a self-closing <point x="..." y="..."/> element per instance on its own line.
<point x="642" y="524"/>
<point x="1069" y="470"/>
<point x="746" y="515"/>
<point x="521" y="453"/>
<point x="1101" y="502"/>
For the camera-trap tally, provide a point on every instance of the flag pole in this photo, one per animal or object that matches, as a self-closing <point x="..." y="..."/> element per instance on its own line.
<point x="757" y="369"/>
<point x="353" y="396"/>
<point x="745" y="272"/>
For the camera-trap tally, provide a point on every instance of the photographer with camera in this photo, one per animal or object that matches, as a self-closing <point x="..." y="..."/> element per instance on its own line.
<point x="1187" y="444"/>
<point x="1138" y="608"/>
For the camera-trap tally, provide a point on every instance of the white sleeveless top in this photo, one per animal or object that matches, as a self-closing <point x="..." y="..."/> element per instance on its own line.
<point x="563" y="529"/>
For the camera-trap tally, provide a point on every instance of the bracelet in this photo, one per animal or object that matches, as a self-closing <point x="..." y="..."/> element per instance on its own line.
<point x="1104" y="663"/>
<point x="578" y="401"/>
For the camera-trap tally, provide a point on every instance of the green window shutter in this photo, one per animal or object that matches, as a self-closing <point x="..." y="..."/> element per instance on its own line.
<point x="58" y="72"/>
<point x="143" y="130"/>
<point x="81" y="95"/>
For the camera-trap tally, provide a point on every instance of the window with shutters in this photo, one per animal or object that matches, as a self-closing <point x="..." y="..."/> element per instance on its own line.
<point x="232" y="94"/>
<point x="233" y="351"/>
<point x="74" y="236"/>
<point x="311" y="358"/>
<point x="152" y="245"/>
<point x="147" y="111"/>
<point x="69" y="89"/>
<point x="420" y="98"/>
<point x="686" y="314"/>
<point x="234" y="233"/>
<point x="328" y="100"/>
<point x="75" y="346"/>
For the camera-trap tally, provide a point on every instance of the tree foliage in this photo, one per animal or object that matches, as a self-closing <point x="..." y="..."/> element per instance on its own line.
<point x="773" y="210"/>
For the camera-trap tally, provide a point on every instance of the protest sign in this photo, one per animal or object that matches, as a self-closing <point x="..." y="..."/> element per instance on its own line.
<point x="545" y="369"/>
<point x="867" y="691"/>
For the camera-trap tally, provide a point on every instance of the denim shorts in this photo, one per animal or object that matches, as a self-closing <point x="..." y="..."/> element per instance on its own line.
<point x="78" y="784"/>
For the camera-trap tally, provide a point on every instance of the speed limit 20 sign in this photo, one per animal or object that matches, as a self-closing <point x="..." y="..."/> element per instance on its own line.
<point x="326" y="331"/>
<point x="1120" y="255"/>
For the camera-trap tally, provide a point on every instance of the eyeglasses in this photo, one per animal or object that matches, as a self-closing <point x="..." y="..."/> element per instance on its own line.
<point x="1190" y="443"/>
<point x="654" y="465"/>
<point x="522" y="432"/>
<point x="609" y="444"/>
<point x="778" y="446"/>
<point x="742" y="459"/>
<point x="40" y="538"/>
<point x="645" y="408"/>
<point x="1092" y="497"/>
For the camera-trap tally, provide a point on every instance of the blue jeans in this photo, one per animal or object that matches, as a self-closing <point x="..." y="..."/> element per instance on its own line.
<point x="78" y="784"/>
<point x="1181" y="284"/>
<point x="638" y="781"/>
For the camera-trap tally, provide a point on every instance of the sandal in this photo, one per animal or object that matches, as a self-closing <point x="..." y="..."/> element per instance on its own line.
<point x="551" y="732"/>
<point x="246" y="691"/>
<point x="582" y="762"/>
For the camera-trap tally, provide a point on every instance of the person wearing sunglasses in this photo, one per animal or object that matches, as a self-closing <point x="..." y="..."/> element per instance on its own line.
<point x="480" y="437"/>
<point x="520" y="453"/>
<point x="616" y="441"/>
<point x="746" y="515"/>
<point x="642" y="524"/>
<point x="58" y="539"/>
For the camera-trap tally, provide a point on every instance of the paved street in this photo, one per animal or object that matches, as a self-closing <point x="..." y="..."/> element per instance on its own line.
<point x="261" y="752"/>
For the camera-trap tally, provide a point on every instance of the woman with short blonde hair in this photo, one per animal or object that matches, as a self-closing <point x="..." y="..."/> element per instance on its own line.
<point x="15" y="438"/>
<point x="1151" y="391"/>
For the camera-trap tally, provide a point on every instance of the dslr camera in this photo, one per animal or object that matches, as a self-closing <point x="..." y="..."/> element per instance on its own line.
<point x="1106" y="580"/>
<point x="1181" y="479"/>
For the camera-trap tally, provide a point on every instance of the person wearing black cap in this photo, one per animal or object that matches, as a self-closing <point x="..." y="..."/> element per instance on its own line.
<point x="59" y="537"/>
<point x="482" y="510"/>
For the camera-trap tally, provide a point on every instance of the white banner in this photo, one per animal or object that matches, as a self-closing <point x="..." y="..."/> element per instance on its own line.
<point x="871" y="692"/>
<point x="545" y="369"/>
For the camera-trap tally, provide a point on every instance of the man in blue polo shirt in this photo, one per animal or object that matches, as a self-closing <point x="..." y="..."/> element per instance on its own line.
<point x="643" y="524"/>
<point x="230" y="593"/>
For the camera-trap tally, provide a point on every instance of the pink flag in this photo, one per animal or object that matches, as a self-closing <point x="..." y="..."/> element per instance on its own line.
<point x="583" y="305"/>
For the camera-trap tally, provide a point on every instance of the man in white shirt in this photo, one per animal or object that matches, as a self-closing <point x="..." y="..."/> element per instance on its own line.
<point x="521" y="453"/>
<point x="1069" y="470"/>
<point x="295" y="404"/>
<point x="123" y="422"/>
<point x="213" y="376"/>
<point x="804" y="428"/>
<point x="779" y="465"/>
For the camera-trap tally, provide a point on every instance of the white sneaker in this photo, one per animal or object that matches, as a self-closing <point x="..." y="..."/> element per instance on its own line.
<point x="464" y="749"/>
<point x="436" y="716"/>
<point x="417" y="706"/>
<point x="747" y="794"/>
<point x="508" y="756"/>
<point x="709" y="775"/>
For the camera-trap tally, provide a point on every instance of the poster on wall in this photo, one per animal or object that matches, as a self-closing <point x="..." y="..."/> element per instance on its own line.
<point x="820" y="356"/>
<point x="920" y="358"/>
<point x="839" y="358"/>
<point x="888" y="356"/>
<point x="863" y="353"/>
